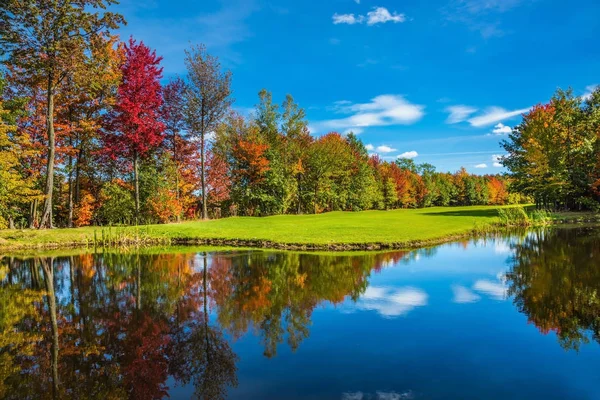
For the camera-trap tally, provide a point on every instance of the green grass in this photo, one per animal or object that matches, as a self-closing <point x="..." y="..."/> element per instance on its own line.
<point x="398" y="227"/>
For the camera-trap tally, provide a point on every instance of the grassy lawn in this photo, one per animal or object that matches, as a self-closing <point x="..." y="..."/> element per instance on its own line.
<point x="397" y="226"/>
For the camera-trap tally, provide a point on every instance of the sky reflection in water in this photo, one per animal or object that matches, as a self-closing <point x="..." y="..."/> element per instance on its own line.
<point x="513" y="317"/>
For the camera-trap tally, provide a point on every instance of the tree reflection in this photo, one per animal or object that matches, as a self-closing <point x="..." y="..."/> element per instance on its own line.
<point x="555" y="281"/>
<point x="118" y="325"/>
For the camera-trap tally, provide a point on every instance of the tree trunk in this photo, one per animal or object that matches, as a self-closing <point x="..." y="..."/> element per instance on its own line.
<point x="71" y="189"/>
<point x="32" y="214"/>
<point x="77" y="174"/>
<point x="315" y="200"/>
<point x="48" y="267"/>
<point x="205" y="294"/>
<point x="202" y="178"/>
<point x="299" y="195"/>
<point x="175" y="159"/>
<point x="136" y="185"/>
<point x="46" y="221"/>
<point x="138" y="295"/>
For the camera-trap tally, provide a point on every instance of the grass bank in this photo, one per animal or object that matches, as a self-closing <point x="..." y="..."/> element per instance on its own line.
<point x="330" y="231"/>
<point x="368" y="230"/>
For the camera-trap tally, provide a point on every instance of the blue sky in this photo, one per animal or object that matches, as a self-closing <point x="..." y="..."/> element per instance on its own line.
<point x="438" y="80"/>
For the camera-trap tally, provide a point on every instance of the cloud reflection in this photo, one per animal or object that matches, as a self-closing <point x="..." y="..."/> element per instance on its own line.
<point x="464" y="295"/>
<point x="392" y="302"/>
<point x="496" y="290"/>
<point x="379" y="395"/>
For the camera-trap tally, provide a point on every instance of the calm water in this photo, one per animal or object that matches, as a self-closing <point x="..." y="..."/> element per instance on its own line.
<point x="504" y="318"/>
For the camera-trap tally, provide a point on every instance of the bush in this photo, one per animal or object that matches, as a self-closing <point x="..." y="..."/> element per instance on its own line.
<point x="513" y="216"/>
<point x="117" y="204"/>
<point x="540" y="217"/>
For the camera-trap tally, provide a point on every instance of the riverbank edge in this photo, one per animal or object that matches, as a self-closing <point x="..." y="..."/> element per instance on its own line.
<point x="146" y="241"/>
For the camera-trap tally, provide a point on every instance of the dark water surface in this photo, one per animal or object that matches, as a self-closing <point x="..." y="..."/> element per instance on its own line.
<point x="502" y="318"/>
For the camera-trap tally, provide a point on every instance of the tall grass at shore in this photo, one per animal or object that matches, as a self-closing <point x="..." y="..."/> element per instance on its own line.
<point x="519" y="217"/>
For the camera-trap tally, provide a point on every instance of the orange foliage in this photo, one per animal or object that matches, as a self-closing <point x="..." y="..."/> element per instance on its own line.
<point x="84" y="211"/>
<point x="163" y="205"/>
<point x="252" y="160"/>
<point x="497" y="191"/>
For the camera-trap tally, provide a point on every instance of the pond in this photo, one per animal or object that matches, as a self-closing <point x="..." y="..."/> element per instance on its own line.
<point x="515" y="316"/>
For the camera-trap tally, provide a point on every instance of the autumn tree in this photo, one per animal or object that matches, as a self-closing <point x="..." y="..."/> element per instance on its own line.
<point x="177" y="144"/>
<point x="218" y="178"/>
<point x="133" y="127"/>
<point x="88" y="93"/>
<point x="551" y="153"/>
<point x="207" y="100"/>
<point x="249" y="171"/>
<point x="16" y="188"/>
<point x="44" y="40"/>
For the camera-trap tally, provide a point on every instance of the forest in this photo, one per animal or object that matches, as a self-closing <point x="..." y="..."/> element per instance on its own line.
<point x="91" y="134"/>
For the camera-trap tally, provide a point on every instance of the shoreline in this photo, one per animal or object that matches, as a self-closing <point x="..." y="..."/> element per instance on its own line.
<point x="290" y="246"/>
<point x="401" y="229"/>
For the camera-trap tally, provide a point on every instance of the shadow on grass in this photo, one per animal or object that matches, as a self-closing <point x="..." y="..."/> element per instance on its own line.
<point x="465" y="213"/>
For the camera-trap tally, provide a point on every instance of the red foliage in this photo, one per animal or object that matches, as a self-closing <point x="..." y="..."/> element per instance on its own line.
<point x="217" y="178"/>
<point x="134" y="125"/>
<point x="145" y="364"/>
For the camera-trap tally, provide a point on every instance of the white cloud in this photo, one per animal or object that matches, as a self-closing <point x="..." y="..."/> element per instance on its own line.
<point x="496" y="158"/>
<point x="464" y="295"/>
<point x="385" y="149"/>
<point x="334" y="41"/>
<point x="496" y="290"/>
<point x="370" y="147"/>
<point x="409" y="154"/>
<point x="379" y="15"/>
<point x="349" y="19"/>
<point x="491" y="115"/>
<point x="390" y="302"/>
<point x="481" y="166"/>
<point x="588" y="94"/>
<point x="459" y="113"/>
<point x="384" y="110"/>
<point x="357" y="1"/>
<point x="502" y="129"/>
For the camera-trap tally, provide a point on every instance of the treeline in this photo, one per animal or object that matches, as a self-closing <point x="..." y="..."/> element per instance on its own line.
<point x="89" y="135"/>
<point x="554" y="154"/>
<point x="272" y="165"/>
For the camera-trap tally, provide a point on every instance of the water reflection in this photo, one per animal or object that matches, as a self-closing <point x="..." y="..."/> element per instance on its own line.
<point x="116" y="325"/>
<point x="555" y="281"/>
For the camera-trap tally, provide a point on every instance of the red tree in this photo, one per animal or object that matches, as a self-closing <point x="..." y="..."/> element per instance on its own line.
<point x="217" y="178"/>
<point x="134" y="125"/>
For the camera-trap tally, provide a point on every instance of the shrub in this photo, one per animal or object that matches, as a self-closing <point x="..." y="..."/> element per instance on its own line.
<point x="513" y="216"/>
<point x="117" y="204"/>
